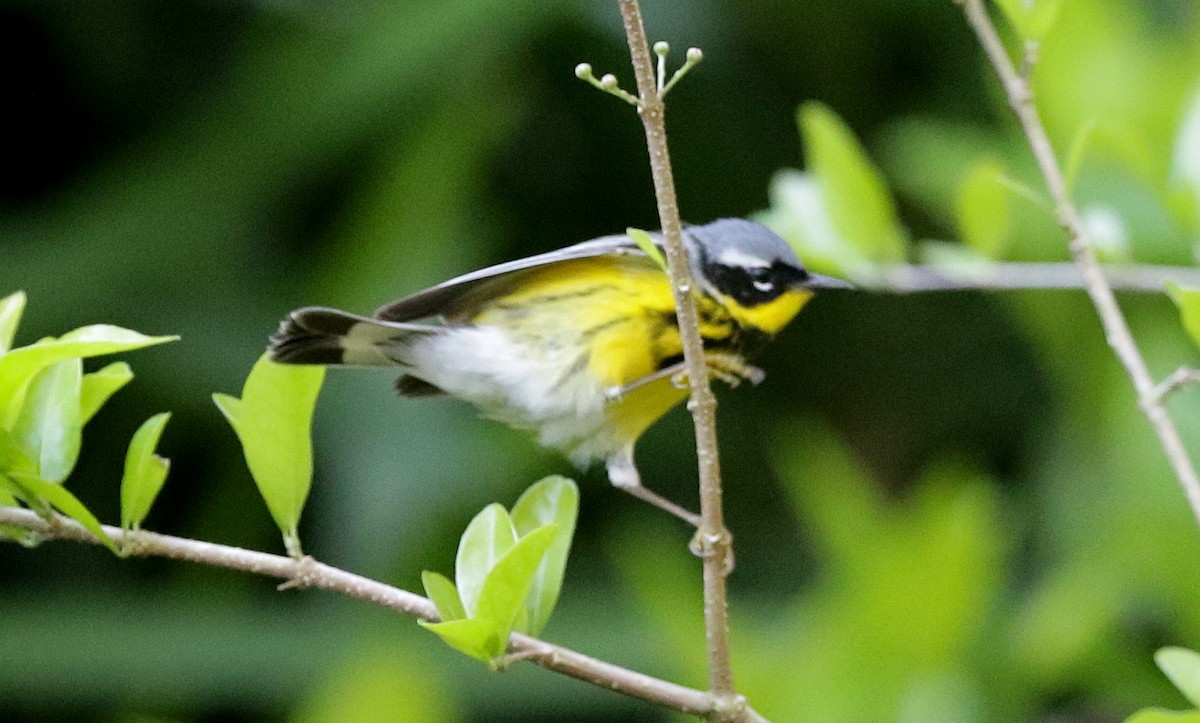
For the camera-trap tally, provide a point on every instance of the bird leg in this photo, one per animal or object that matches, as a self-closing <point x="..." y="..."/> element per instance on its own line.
<point x="624" y="476"/>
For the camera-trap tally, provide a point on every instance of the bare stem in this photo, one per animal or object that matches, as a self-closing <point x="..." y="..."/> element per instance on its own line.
<point x="989" y="276"/>
<point x="1116" y="329"/>
<point x="308" y="573"/>
<point x="713" y="539"/>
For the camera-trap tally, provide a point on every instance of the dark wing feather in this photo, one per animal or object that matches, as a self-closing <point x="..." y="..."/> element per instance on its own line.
<point x="495" y="280"/>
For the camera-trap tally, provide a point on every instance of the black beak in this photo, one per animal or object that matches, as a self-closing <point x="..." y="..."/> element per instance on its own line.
<point x="817" y="282"/>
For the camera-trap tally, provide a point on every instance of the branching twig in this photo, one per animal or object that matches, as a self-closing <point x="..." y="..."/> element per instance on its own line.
<point x="990" y="276"/>
<point x="713" y="539"/>
<point x="309" y="573"/>
<point x="1116" y="329"/>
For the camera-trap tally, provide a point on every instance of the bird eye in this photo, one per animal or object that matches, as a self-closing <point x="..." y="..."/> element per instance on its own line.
<point x="761" y="278"/>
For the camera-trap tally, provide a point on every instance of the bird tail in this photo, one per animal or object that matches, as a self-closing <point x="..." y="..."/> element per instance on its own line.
<point x="316" y="335"/>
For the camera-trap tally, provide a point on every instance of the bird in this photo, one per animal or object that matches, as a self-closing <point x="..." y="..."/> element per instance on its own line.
<point x="580" y="346"/>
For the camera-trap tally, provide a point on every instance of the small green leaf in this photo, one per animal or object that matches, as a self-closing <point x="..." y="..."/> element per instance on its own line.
<point x="11" y="308"/>
<point x="23" y="363"/>
<point x="273" y="420"/>
<point x="552" y="500"/>
<point x="1032" y="19"/>
<point x="12" y="457"/>
<point x="645" y="243"/>
<point x="11" y="532"/>
<point x="982" y="209"/>
<point x="100" y="385"/>
<point x="49" y="426"/>
<point x="852" y="188"/>
<point x="444" y="595"/>
<point x="488" y="536"/>
<point x="502" y="599"/>
<point x="1188" y="301"/>
<point x="1182" y="666"/>
<point x="479" y="639"/>
<point x="230" y="408"/>
<point x="33" y="489"/>
<point x="145" y="472"/>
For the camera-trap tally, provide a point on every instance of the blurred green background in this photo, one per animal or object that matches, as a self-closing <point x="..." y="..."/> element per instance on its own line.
<point x="947" y="507"/>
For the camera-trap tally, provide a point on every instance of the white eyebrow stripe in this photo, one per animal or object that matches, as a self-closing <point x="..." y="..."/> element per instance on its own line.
<point x="737" y="257"/>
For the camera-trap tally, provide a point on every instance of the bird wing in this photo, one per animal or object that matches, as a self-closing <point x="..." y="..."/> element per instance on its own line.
<point x="472" y="288"/>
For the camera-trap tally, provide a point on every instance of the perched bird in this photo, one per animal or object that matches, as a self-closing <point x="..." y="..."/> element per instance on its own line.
<point x="579" y="345"/>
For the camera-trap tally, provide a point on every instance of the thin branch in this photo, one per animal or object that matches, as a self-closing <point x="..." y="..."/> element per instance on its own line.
<point x="1180" y="378"/>
<point x="988" y="276"/>
<point x="307" y="572"/>
<point x="1116" y="329"/>
<point x="712" y="538"/>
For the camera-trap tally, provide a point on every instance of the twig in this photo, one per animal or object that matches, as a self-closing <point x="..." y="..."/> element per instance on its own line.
<point x="989" y="276"/>
<point x="1179" y="378"/>
<point x="1116" y="329"/>
<point x="712" y="538"/>
<point x="321" y="576"/>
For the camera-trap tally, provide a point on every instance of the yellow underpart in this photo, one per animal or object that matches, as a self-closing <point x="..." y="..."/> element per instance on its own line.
<point x="613" y="315"/>
<point x="608" y="308"/>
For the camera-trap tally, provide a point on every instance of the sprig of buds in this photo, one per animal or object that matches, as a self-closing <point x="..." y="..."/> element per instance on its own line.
<point x="609" y="84"/>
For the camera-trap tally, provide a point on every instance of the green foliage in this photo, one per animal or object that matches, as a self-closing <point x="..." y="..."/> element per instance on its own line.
<point x="1182" y="666"/>
<point x="646" y="244"/>
<point x="11" y="308"/>
<point x="852" y="188"/>
<point x="508" y="571"/>
<point x="895" y="623"/>
<point x="1188" y="301"/>
<point x="1032" y="19"/>
<point x="273" y="420"/>
<point x="145" y="472"/>
<point x="1184" y="198"/>
<point x="45" y="401"/>
<point x="839" y="214"/>
<point x="553" y="500"/>
<point x="982" y="208"/>
<point x="49" y="427"/>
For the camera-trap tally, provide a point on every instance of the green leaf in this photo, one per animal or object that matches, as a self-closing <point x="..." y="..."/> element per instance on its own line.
<point x="982" y="209"/>
<point x="273" y="420"/>
<point x="852" y="188"/>
<point x="488" y="536"/>
<point x="11" y="308"/>
<point x="444" y="595"/>
<point x="33" y="489"/>
<point x="21" y="364"/>
<point x="1182" y="666"/>
<point x="502" y="600"/>
<point x="12" y="457"/>
<point x="12" y="532"/>
<point x="49" y="426"/>
<point x="1032" y="19"/>
<point x="145" y="472"/>
<point x="100" y="385"/>
<point x="1188" y="301"/>
<point x="552" y="500"/>
<point x="645" y="243"/>
<point x="798" y="214"/>
<point x="479" y="639"/>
